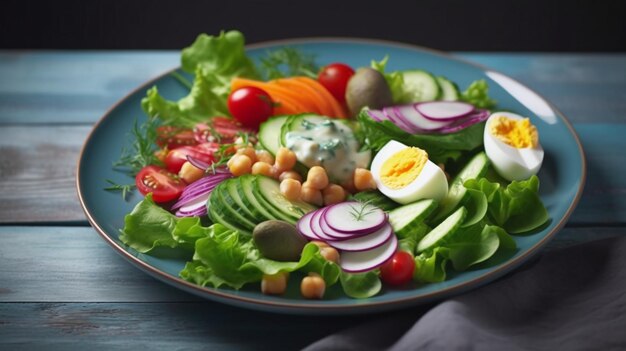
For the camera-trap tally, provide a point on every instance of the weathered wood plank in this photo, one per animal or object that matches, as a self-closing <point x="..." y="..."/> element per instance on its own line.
<point x="78" y="87"/>
<point x="37" y="172"/>
<point x="37" y="181"/>
<point x="162" y="326"/>
<point x="73" y="264"/>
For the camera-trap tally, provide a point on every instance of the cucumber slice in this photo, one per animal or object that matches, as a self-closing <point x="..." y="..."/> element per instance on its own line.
<point x="420" y="86"/>
<point x="232" y="197"/>
<point x="457" y="194"/>
<point x="250" y="200"/>
<point x="441" y="233"/>
<point x="227" y="211"/>
<point x="270" y="133"/>
<point x="268" y="191"/>
<point x="449" y="89"/>
<point x="217" y="216"/>
<point x="406" y="218"/>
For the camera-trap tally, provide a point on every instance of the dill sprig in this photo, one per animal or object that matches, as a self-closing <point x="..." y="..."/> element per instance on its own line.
<point x="361" y="212"/>
<point x="288" y="61"/>
<point x="225" y="152"/>
<point x="125" y="189"/>
<point x="141" y="151"/>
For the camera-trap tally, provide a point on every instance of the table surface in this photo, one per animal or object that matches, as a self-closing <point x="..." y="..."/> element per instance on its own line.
<point x="61" y="285"/>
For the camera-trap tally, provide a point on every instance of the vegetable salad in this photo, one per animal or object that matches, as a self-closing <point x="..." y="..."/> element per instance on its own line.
<point x="282" y="172"/>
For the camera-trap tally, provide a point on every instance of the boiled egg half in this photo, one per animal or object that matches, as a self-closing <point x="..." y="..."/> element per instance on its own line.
<point x="405" y="174"/>
<point x="512" y="145"/>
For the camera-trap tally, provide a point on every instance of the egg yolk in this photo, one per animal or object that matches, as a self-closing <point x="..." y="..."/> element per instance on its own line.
<point x="403" y="167"/>
<point x="516" y="133"/>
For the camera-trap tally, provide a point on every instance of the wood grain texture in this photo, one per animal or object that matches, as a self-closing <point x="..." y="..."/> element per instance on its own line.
<point x="63" y="287"/>
<point x="37" y="172"/>
<point x="78" y="87"/>
<point x="44" y="174"/>
<point x="73" y="264"/>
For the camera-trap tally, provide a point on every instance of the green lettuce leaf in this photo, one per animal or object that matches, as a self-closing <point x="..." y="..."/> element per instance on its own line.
<point x="226" y="257"/>
<point x="472" y="245"/>
<point x="201" y="104"/>
<point x="215" y="61"/>
<point x="430" y="267"/>
<point x="440" y="147"/>
<point x="360" y="285"/>
<point x="516" y="208"/>
<point x="149" y="227"/>
<point x="407" y="240"/>
<point x="477" y="94"/>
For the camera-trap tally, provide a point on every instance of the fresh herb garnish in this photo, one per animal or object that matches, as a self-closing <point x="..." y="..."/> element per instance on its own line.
<point x="287" y="62"/>
<point x="141" y="151"/>
<point x="225" y="151"/>
<point x="125" y="189"/>
<point x="359" y="213"/>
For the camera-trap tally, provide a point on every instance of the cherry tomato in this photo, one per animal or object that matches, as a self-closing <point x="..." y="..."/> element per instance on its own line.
<point x="250" y="106"/>
<point x="334" y="78"/>
<point x="163" y="185"/>
<point x="203" y="152"/>
<point x="219" y="129"/>
<point x="399" y="269"/>
<point x="173" y="137"/>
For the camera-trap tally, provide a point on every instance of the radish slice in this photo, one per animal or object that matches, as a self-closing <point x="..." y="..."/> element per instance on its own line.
<point x="416" y="119"/>
<point x="342" y="217"/>
<point x="376" y="115"/>
<point x="315" y="225"/>
<point x="465" y="122"/>
<point x="335" y="235"/>
<point x="304" y="226"/>
<point x="362" y="261"/>
<point x="365" y="242"/>
<point x="444" y="110"/>
<point x="398" y="120"/>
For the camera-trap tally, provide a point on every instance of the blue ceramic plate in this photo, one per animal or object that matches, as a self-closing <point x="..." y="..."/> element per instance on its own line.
<point x="562" y="178"/>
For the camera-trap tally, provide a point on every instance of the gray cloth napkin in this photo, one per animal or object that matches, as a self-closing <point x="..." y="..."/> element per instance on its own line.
<point x="568" y="299"/>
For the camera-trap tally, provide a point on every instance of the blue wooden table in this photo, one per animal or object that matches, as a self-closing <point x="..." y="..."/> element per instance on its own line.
<point x="62" y="286"/>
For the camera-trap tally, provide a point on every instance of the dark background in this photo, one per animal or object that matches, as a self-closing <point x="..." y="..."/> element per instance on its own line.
<point x="502" y="25"/>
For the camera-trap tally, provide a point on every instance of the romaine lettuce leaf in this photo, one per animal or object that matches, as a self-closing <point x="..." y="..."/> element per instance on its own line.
<point x="516" y="208"/>
<point x="430" y="267"/>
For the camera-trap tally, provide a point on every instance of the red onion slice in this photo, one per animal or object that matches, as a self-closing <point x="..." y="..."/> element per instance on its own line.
<point x="365" y="242"/>
<point x="444" y="110"/>
<point x="342" y="217"/>
<point x="362" y="261"/>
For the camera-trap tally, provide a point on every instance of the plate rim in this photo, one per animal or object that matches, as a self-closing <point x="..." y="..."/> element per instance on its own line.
<point x="301" y="308"/>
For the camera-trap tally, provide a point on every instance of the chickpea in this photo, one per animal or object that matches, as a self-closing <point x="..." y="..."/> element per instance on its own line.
<point x="330" y="254"/>
<point x="290" y="175"/>
<point x="262" y="168"/>
<point x="291" y="188"/>
<point x="285" y="159"/>
<point x="190" y="173"/>
<point x="317" y="177"/>
<point x="333" y="194"/>
<point x="363" y="179"/>
<point x="311" y="195"/>
<point x="274" y="284"/>
<point x="161" y="154"/>
<point x="264" y="156"/>
<point x="240" y="165"/>
<point x="240" y="145"/>
<point x="313" y="287"/>
<point x="248" y="151"/>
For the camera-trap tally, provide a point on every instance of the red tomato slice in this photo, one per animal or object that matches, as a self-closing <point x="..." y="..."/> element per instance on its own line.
<point x="163" y="185"/>
<point x="399" y="269"/>
<point x="204" y="152"/>
<point x="219" y="129"/>
<point x="174" y="137"/>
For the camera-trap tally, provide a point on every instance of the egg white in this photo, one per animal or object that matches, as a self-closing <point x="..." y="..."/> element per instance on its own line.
<point x="510" y="162"/>
<point x="431" y="183"/>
